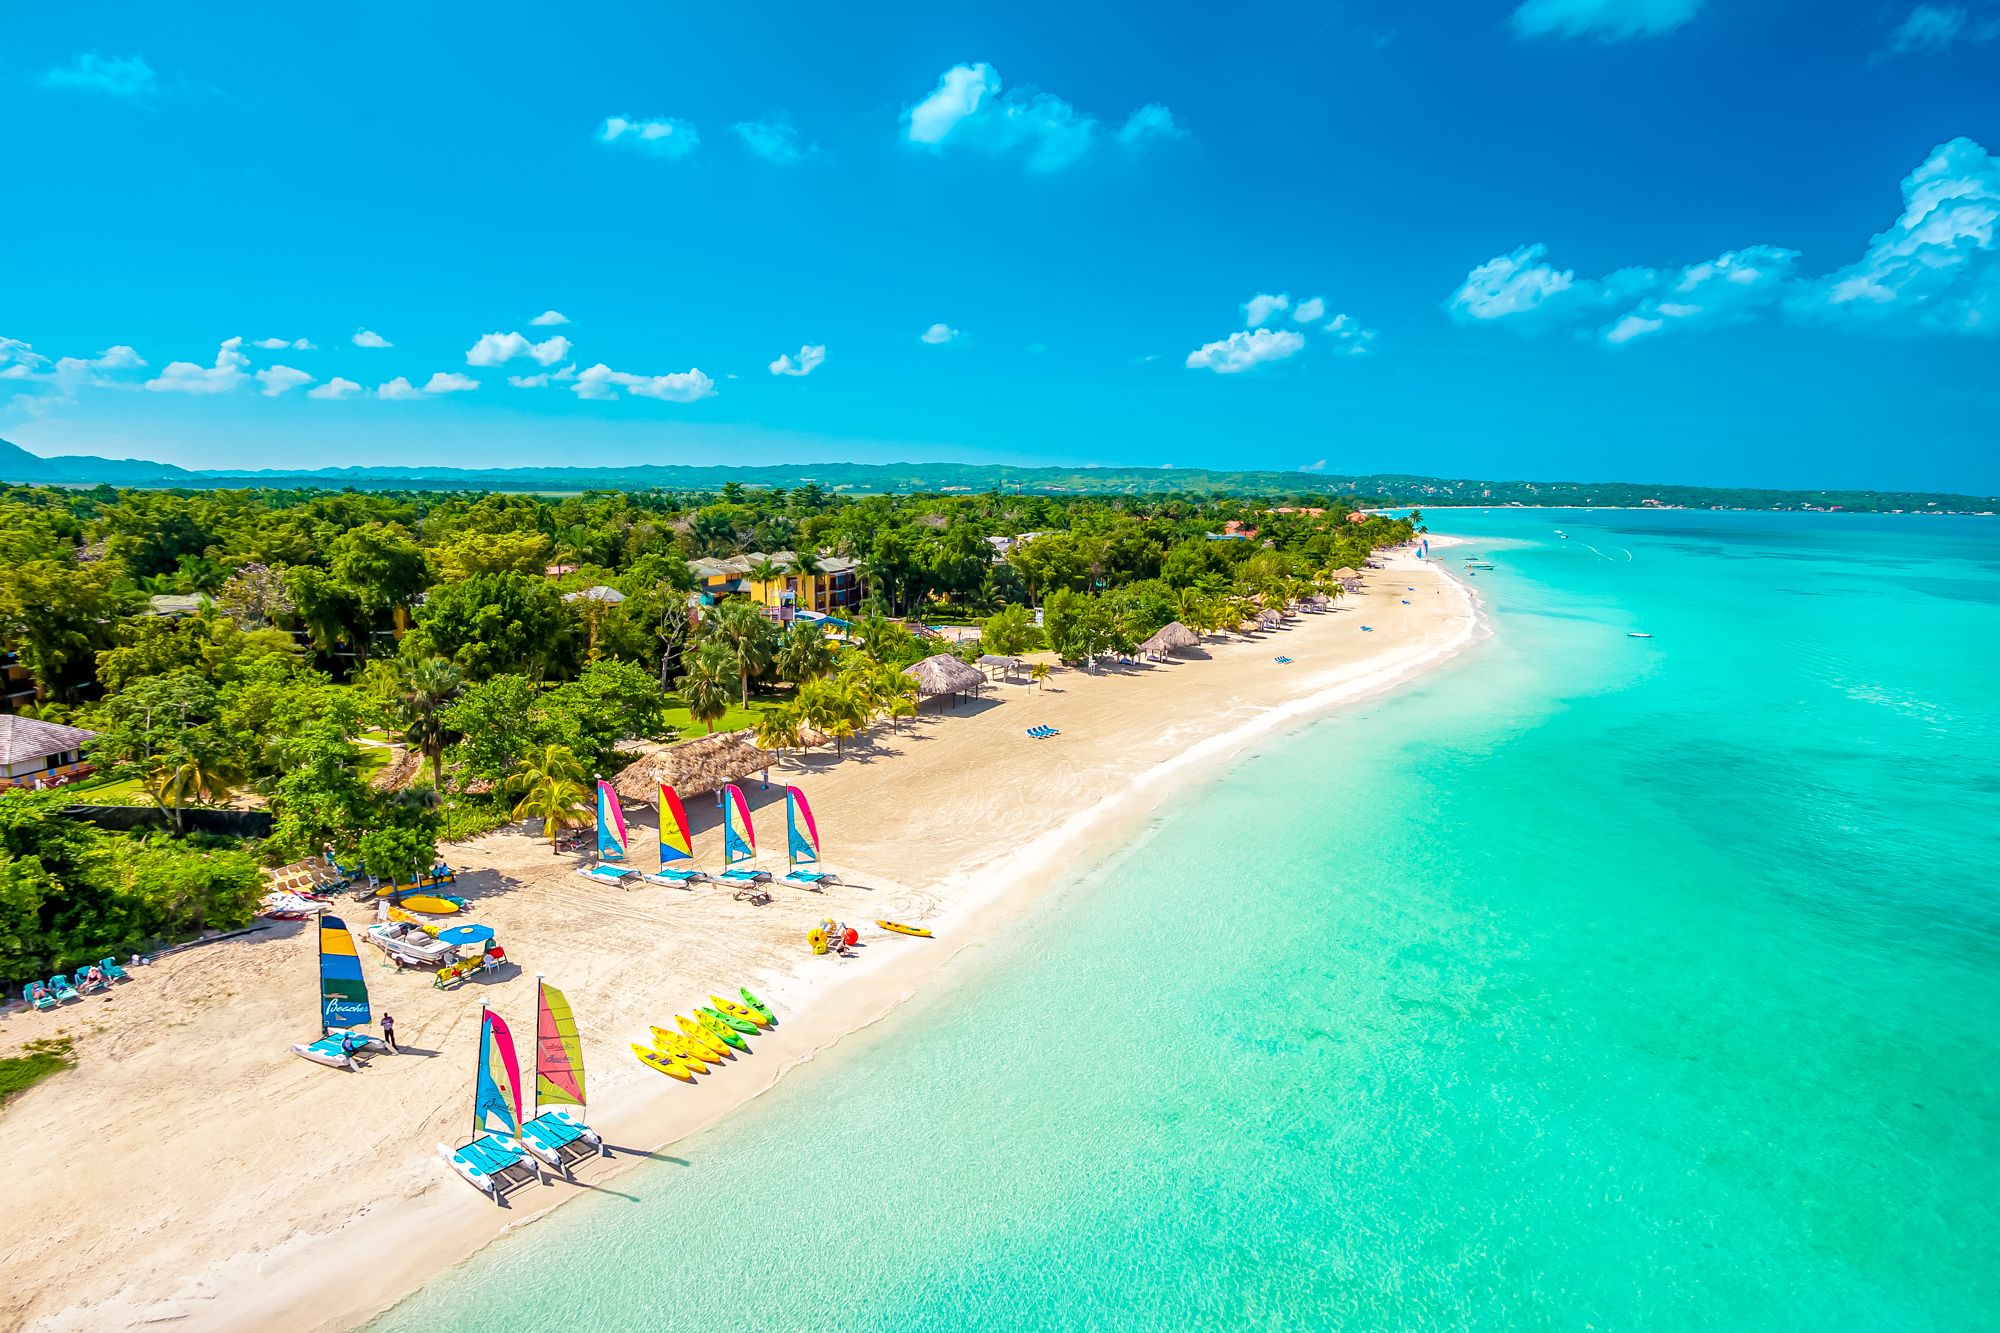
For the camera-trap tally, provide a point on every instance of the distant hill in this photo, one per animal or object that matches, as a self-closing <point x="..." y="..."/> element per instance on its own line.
<point x="20" y="466"/>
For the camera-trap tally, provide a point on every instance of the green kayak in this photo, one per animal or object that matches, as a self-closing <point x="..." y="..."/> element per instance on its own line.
<point x="757" y="1004"/>
<point x="740" y="1024"/>
<point x="728" y="1036"/>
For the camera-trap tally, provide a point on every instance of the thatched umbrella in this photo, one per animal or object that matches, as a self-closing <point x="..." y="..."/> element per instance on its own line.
<point x="1001" y="663"/>
<point x="694" y="768"/>
<point x="945" y="675"/>
<point x="1169" y="638"/>
<point x="1347" y="574"/>
<point x="1270" y="617"/>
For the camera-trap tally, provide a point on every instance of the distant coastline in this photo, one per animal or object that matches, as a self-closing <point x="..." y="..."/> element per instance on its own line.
<point x="1373" y="491"/>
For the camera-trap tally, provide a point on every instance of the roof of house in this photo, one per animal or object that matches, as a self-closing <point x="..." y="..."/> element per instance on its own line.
<point x="175" y="604"/>
<point x="24" y="738"/>
<point x="600" y="593"/>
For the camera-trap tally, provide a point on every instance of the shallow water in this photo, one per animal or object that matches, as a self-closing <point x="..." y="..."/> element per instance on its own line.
<point x="1590" y="982"/>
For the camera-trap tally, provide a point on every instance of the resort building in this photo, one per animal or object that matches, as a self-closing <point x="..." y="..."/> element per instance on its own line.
<point x="835" y="588"/>
<point x="40" y="754"/>
<point x="17" y="687"/>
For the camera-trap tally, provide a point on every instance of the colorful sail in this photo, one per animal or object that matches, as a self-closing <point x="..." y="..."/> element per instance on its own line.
<point x="493" y="1106"/>
<point x="558" y="1051"/>
<point x="610" y="824"/>
<point x="739" y="837"/>
<point x="343" y="995"/>
<point x="802" y="835"/>
<point x="676" y="843"/>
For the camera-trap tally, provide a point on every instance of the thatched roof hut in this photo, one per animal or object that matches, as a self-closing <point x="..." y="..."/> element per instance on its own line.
<point x="1270" y="617"/>
<point x="944" y="675"/>
<point x="1001" y="663"/>
<point x="1169" y="638"/>
<point x="1346" y="574"/>
<point x="694" y="768"/>
<point x="1319" y="601"/>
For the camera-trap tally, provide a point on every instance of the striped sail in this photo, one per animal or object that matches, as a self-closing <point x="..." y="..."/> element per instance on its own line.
<point x="558" y="1051"/>
<point x="676" y="843"/>
<point x="610" y="824"/>
<point x="739" y="837"/>
<point x="343" y="995"/>
<point x="802" y="835"/>
<point x="493" y="1106"/>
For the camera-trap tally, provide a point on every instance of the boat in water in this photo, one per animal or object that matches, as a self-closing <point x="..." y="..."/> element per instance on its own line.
<point x="1637" y="634"/>
<point x="343" y="1002"/>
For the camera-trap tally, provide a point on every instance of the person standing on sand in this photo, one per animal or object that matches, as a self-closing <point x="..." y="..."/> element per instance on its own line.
<point x="389" y="1035"/>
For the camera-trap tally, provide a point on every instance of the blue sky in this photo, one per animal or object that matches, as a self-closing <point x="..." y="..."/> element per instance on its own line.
<point x="1685" y="240"/>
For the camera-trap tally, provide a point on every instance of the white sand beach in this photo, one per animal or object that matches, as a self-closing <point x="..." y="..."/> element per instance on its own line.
<point x="190" y="1168"/>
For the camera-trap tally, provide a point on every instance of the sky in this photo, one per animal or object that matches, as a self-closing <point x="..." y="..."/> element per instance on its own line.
<point x="1709" y="241"/>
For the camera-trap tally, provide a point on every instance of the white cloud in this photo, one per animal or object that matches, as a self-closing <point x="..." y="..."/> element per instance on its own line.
<point x="1318" y="465"/>
<point x="280" y="379"/>
<point x="335" y="388"/>
<point x="497" y="349"/>
<point x="970" y="108"/>
<point x="601" y="383"/>
<point x="1309" y="311"/>
<point x="773" y="140"/>
<point x="808" y="361"/>
<point x="940" y="333"/>
<point x="399" y="390"/>
<point x="1935" y="270"/>
<point x="370" y="338"/>
<point x="1259" y="309"/>
<point x="1606" y="20"/>
<point x="21" y="363"/>
<point x="1150" y="122"/>
<point x="1245" y="349"/>
<point x="119" y="357"/>
<point x="662" y="137"/>
<point x="187" y="377"/>
<point x="450" y="381"/>
<point x="282" y="344"/>
<point x="113" y="76"/>
<point x="1350" y="336"/>
<point x="540" y="381"/>
<point x="1928" y="28"/>
<point x="548" y="318"/>
<point x="20" y="358"/>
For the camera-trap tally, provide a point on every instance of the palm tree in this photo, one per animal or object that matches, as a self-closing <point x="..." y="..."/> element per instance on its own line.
<point x="805" y="654"/>
<point x="428" y="687"/>
<point x="183" y="775"/>
<point x="766" y="570"/>
<point x="748" y="636"/>
<point x="705" y="688"/>
<point x="902" y="707"/>
<point x="1038" y="672"/>
<point x="549" y="786"/>
<point x="778" y="728"/>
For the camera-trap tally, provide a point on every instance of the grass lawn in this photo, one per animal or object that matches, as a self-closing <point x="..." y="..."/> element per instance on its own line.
<point x="105" y="791"/>
<point x="38" y="1060"/>
<point x="373" y="759"/>
<point x="735" y="719"/>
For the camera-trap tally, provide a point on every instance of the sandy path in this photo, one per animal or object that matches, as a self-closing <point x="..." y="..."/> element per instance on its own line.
<point x="190" y="1168"/>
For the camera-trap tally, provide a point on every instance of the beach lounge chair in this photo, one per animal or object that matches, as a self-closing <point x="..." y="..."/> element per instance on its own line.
<point x="84" y="985"/>
<point x="64" y="992"/>
<point x="677" y="879"/>
<point x="113" y="971"/>
<point x="1282" y="661"/>
<point x="37" y="994"/>
<point x="491" y="1164"/>
<point x="1367" y="629"/>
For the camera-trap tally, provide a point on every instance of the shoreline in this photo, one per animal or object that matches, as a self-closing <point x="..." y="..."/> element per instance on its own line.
<point x="363" y="1264"/>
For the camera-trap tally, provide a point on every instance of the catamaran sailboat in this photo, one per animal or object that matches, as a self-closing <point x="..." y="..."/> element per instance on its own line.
<point x="739" y="847"/>
<point x="676" y="844"/>
<point x="556" y="1134"/>
<point x="802" y="845"/>
<point x="343" y="1001"/>
<point x="492" y="1161"/>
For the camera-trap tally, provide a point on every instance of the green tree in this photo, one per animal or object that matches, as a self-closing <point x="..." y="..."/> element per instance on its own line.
<point x="704" y="689"/>
<point x="549" y="787"/>
<point x="57" y="616"/>
<point x="806" y="653"/>
<point x="428" y="689"/>
<point x="381" y="569"/>
<point x="749" y="637"/>
<point x="491" y="624"/>
<point x="496" y="725"/>
<point x="1009" y="631"/>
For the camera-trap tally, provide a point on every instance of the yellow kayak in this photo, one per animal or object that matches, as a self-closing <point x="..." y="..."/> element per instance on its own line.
<point x="680" y="1049"/>
<point x="735" y="1010"/>
<point x="423" y="902"/>
<point x="700" y="1038"/>
<point x="672" y="1068"/>
<point x="902" y="929"/>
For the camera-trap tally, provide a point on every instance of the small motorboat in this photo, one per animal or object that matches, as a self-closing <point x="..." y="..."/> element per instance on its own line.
<point x="1637" y="634"/>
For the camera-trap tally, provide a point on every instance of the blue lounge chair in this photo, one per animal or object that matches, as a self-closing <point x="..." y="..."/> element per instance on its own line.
<point x="1282" y="661"/>
<point x="38" y="995"/>
<point x="604" y="874"/>
<point x="64" y="991"/>
<point x="113" y="972"/>
<point x="1367" y="629"/>
<point x="84" y="986"/>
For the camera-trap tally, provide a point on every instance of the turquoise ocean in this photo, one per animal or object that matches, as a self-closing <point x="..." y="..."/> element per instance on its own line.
<point x="1588" y="982"/>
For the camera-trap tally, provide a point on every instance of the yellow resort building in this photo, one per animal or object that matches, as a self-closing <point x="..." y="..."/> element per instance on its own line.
<point x="834" y="588"/>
